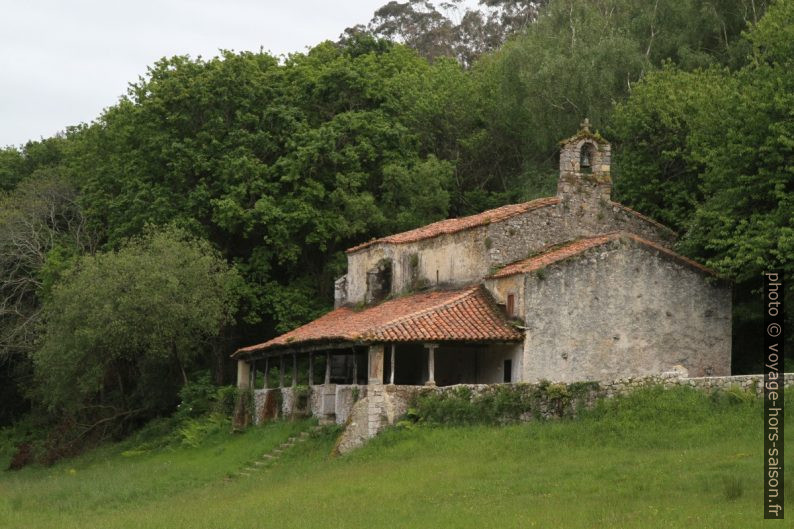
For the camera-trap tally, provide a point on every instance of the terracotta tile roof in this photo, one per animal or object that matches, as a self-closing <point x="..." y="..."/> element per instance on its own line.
<point x="463" y="223"/>
<point x="575" y="248"/>
<point x="461" y="315"/>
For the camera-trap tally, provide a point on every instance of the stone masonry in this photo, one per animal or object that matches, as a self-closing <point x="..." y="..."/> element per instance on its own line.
<point x="368" y="418"/>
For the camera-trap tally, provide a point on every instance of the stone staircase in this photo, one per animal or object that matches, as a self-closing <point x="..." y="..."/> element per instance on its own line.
<point x="268" y="459"/>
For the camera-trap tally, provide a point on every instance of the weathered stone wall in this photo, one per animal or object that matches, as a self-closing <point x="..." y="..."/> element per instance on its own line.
<point x="369" y="416"/>
<point x="751" y="383"/>
<point x="504" y="286"/>
<point x="490" y="363"/>
<point x="267" y="405"/>
<point x="624" y="310"/>
<point x="447" y="259"/>
<point x="346" y="397"/>
<point x="470" y="255"/>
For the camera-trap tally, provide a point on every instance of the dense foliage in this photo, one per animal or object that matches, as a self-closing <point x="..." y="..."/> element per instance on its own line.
<point x="123" y="328"/>
<point x="254" y="173"/>
<point x="709" y="153"/>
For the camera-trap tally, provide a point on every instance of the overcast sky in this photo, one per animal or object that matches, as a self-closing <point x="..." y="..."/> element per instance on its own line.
<point x="63" y="61"/>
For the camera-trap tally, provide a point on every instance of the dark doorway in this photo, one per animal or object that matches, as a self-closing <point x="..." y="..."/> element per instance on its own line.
<point x="508" y="371"/>
<point x="410" y="367"/>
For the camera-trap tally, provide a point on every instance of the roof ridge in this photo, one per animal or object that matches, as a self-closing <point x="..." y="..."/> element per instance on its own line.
<point x="477" y="219"/>
<point x="644" y="217"/>
<point x="557" y="247"/>
<point x="669" y="252"/>
<point x="605" y="239"/>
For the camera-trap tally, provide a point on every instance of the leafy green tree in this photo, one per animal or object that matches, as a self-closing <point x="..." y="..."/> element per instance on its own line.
<point x="709" y="153"/>
<point x="18" y="164"/>
<point x="577" y="60"/>
<point x="124" y="328"/>
<point x="655" y="169"/>
<point x="280" y="166"/>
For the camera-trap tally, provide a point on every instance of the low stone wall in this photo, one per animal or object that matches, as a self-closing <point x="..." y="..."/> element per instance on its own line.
<point x="267" y="405"/>
<point x="384" y="405"/>
<point x="345" y="398"/>
<point x="367" y="410"/>
<point x="329" y="403"/>
<point x="754" y="383"/>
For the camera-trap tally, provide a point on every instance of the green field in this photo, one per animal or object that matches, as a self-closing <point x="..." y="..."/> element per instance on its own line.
<point x="655" y="459"/>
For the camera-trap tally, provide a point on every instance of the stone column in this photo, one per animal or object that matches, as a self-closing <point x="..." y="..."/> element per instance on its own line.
<point x="253" y="375"/>
<point x="294" y="369"/>
<point x="327" y="368"/>
<point x="431" y="364"/>
<point x="391" y="372"/>
<point x="267" y="370"/>
<point x="281" y="371"/>
<point x="243" y="374"/>
<point x="311" y="369"/>
<point x="375" y="367"/>
<point x="355" y="368"/>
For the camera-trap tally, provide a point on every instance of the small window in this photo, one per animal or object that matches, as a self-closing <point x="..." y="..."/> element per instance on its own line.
<point x="508" y="371"/>
<point x="511" y="305"/>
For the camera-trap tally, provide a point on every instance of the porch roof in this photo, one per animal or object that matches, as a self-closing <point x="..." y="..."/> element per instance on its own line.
<point x="466" y="315"/>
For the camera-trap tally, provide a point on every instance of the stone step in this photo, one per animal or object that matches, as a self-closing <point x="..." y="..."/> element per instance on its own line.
<point x="260" y="463"/>
<point x="246" y="474"/>
<point x="268" y="456"/>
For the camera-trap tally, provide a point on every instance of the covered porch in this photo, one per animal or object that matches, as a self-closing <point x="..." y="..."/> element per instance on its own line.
<point x="433" y="338"/>
<point x="411" y="363"/>
<point x="327" y="381"/>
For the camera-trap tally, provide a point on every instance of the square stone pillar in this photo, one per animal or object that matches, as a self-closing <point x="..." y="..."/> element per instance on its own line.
<point x="431" y="363"/>
<point x="243" y="374"/>
<point x="393" y="364"/>
<point x="375" y="368"/>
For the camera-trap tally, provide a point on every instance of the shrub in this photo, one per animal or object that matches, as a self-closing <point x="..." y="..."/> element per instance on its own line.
<point x="193" y="431"/>
<point x="225" y="399"/>
<point x="197" y="397"/>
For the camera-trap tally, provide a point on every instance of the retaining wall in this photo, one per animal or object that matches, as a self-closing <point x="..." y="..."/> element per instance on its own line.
<point x="367" y="410"/>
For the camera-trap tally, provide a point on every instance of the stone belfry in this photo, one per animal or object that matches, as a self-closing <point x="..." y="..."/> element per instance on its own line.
<point x="584" y="168"/>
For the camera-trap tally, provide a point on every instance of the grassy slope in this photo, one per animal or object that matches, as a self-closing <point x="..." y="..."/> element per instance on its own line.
<point x="667" y="459"/>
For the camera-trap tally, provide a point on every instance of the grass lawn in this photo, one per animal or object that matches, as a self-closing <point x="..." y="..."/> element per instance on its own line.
<point x="656" y="459"/>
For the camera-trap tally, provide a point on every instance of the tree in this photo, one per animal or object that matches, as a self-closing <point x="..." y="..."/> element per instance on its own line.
<point x="280" y="166"/>
<point x="18" y="164"/>
<point x="42" y="230"/>
<point x="124" y="328"/>
<point x="41" y="225"/>
<point x="709" y="152"/>
<point x="446" y="30"/>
